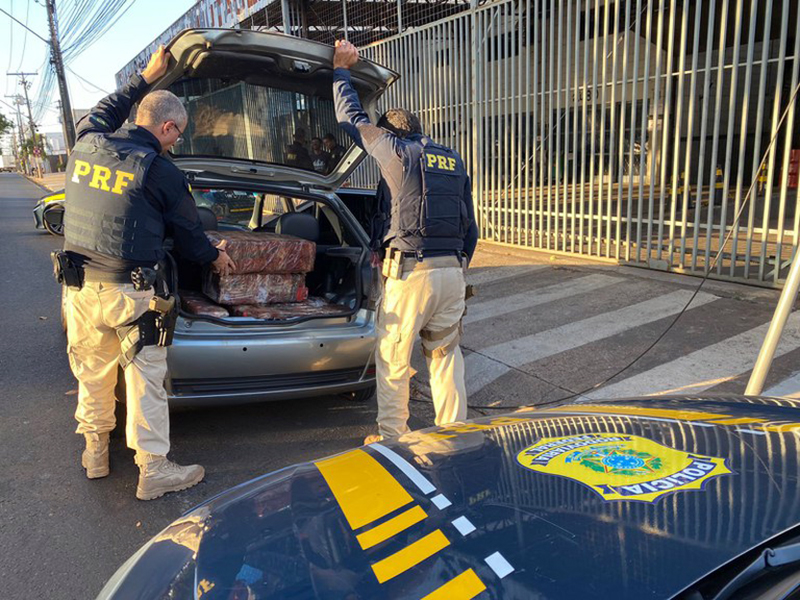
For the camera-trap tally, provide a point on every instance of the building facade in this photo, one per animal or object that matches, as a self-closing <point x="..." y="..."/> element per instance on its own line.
<point x="661" y="134"/>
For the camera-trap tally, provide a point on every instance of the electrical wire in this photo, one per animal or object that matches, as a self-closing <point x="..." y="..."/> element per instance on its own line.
<point x="25" y="37"/>
<point x="10" y="42"/>
<point x="82" y="23"/>
<point x="709" y="269"/>
<point x="96" y="87"/>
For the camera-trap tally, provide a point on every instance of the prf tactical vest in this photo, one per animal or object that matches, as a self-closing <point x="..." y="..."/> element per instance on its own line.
<point x="430" y="211"/>
<point x="106" y="210"/>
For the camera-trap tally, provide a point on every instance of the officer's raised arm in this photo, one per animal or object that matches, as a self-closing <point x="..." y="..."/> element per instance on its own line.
<point x="378" y="142"/>
<point x="111" y="112"/>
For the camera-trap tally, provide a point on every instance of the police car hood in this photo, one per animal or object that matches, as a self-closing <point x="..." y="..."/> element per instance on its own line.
<point x="625" y="499"/>
<point x="250" y="95"/>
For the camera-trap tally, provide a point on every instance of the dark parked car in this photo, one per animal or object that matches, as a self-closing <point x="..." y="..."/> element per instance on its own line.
<point x="688" y="498"/>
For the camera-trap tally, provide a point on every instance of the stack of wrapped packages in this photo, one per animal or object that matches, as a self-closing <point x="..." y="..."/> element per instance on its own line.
<point x="269" y="281"/>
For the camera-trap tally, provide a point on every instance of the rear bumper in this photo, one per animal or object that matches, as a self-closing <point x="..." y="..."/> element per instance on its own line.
<point x="213" y="392"/>
<point x="220" y="365"/>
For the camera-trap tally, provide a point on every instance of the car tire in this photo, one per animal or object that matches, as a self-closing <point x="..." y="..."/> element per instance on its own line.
<point x="57" y="230"/>
<point x="362" y="395"/>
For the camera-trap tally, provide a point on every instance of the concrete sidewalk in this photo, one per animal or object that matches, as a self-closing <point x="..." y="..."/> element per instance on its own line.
<point x="50" y="181"/>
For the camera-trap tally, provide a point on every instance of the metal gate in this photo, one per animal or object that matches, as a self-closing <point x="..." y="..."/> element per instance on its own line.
<point x="622" y="129"/>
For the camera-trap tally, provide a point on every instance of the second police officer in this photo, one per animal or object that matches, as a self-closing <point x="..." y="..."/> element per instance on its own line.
<point x="426" y="226"/>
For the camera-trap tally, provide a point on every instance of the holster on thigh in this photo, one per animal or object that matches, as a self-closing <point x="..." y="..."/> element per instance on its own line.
<point x="436" y="343"/>
<point x="136" y="335"/>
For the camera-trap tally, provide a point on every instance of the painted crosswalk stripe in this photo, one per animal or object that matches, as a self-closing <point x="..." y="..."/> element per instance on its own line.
<point x="531" y="298"/>
<point x="494" y="361"/>
<point x="704" y="368"/>
<point x="484" y="275"/>
<point x="788" y="388"/>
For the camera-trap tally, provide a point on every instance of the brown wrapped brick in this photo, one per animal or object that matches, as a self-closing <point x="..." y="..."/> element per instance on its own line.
<point x="312" y="307"/>
<point x="255" y="288"/>
<point x="266" y="252"/>
<point x="197" y="304"/>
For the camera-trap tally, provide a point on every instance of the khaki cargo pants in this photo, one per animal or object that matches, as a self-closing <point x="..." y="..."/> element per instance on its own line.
<point x="93" y="315"/>
<point x="428" y="302"/>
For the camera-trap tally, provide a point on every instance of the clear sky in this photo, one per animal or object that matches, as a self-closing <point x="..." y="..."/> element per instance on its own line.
<point x="22" y="51"/>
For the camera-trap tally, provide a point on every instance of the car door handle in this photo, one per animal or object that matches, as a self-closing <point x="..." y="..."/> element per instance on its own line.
<point x="252" y="170"/>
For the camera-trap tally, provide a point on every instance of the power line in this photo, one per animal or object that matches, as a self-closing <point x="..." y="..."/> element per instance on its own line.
<point x="14" y="108"/>
<point x="25" y="38"/>
<point x="9" y="15"/>
<point x="97" y="87"/>
<point x="10" y="41"/>
<point x="581" y="393"/>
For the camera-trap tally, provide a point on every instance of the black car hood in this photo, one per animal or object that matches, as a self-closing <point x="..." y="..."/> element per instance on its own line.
<point x="625" y="499"/>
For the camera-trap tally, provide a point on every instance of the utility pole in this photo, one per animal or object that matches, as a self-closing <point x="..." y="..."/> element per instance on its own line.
<point x="58" y="63"/>
<point x="25" y="84"/>
<point x="64" y="128"/>
<point x="14" y="148"/>
<point x="21" y="135"/>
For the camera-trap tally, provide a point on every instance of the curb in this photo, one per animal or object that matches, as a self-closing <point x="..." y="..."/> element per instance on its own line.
<point x="36" y="183"/>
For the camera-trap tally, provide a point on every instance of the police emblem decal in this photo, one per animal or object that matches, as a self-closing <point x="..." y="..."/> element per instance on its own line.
<point x="622" y="467"/>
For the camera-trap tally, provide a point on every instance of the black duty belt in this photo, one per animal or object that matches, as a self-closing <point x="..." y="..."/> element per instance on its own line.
<point x="106" y="276"/>
<point x="429" y="254"/>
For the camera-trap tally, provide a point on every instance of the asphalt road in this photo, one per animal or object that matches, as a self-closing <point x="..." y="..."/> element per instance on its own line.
<point x="62" y="535"/>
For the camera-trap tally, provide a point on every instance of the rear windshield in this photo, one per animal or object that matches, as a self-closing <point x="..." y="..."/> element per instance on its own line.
<point x="234" y="119"/>
<point x="229" y="206"/>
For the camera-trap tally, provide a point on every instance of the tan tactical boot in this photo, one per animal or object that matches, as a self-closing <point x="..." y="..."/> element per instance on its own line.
<point x="159" y="476"/>
<point x="95" y="458"/>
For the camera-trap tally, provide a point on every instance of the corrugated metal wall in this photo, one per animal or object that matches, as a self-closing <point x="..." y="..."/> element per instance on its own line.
<point x="620" y="129"/>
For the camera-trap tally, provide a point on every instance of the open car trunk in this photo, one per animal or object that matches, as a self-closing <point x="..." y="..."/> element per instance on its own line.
<point x="260" y="105"/>
<point x="305" y="258"/>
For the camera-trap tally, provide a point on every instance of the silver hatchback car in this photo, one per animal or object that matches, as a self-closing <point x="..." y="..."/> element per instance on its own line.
<point x="255" y="102"/>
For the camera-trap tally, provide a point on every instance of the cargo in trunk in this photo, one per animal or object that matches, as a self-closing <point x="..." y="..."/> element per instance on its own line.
<point x="266" y="252"/>
<point x="197" y="304"/>
<point x="312" y="307"/>
<point x="255" y="288"/>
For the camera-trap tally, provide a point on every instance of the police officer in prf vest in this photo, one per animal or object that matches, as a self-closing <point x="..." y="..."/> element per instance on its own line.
<point x="122" y="197"/>
<point x="426" y="227"/>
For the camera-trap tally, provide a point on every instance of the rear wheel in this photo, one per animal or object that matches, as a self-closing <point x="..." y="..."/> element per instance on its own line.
<point x="362" y="395"/>
<point x="53" y="220"/>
